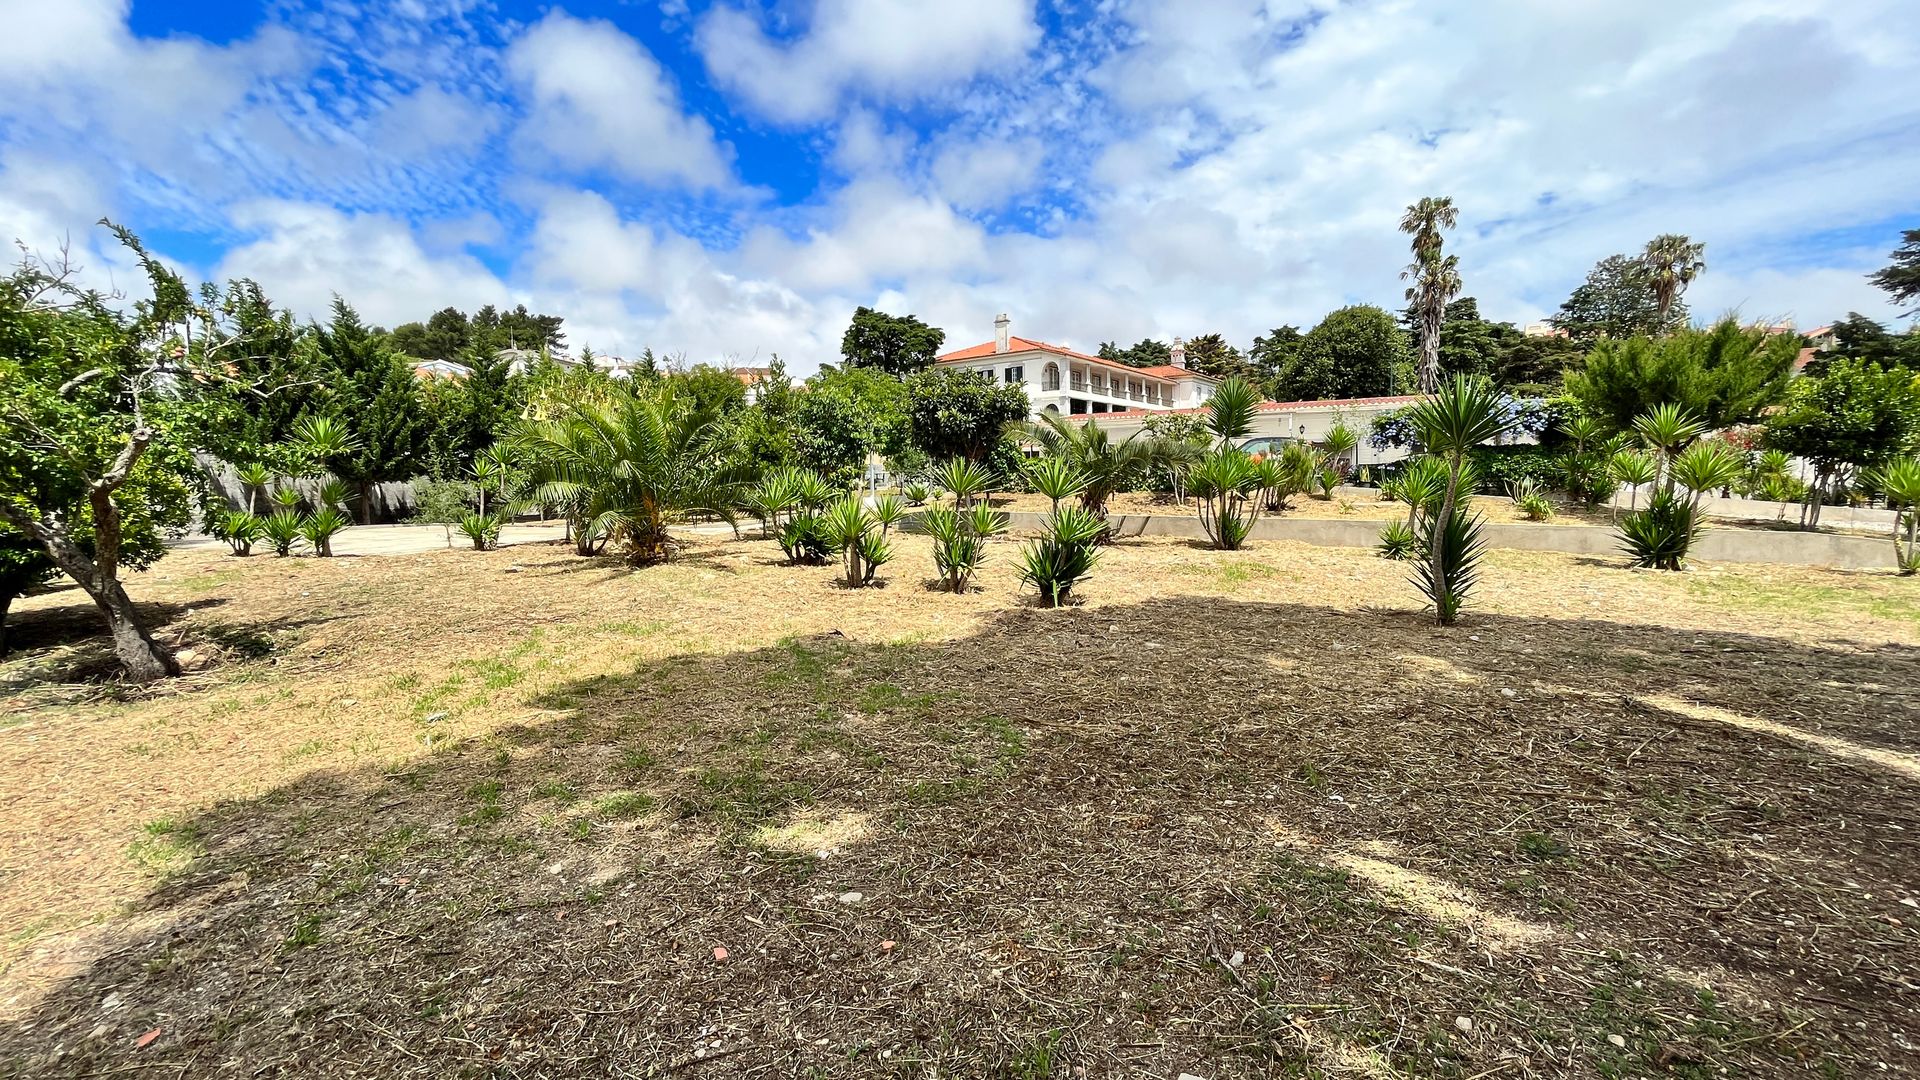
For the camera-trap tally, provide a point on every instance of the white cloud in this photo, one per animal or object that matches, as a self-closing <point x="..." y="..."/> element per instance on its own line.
<point x="597" y="99"/>
<point x="983" y="174"/>
<point x="889" y="49"/>
<point x="303" y="253"/>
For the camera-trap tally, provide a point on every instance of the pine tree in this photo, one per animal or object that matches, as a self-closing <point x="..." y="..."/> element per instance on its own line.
<point x="378" y="399"/>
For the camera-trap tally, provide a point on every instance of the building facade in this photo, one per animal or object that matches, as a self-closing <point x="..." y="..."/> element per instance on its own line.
<point x="1068" y="383"/>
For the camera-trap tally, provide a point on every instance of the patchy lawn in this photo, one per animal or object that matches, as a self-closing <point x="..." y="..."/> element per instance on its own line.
<point x="1242" y="814"/>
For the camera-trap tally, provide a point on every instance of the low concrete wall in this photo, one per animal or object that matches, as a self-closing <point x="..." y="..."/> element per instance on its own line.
<point x="1716" y="545"/>
<point x="1864" y="519"/>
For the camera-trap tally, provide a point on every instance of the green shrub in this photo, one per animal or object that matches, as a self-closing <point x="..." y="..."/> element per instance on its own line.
<point x="320" y="527"/>
<point x="240" y="530"/>
<point x="859" y="537"/>
<point x="1900" y="480"/>
<point x="1056" y="477"/>
<point x="1063" y="555"/>
<point x="962" y="479"/>
<point x="1397" y="541"/>
<point x="482" y="529"/>
<point x="918" y="494"/>
<point x="1530" y="500"/>
<point x="1232" y="489"/>
<point x="1661" y="535"/>
<point x="804" y="539"/>
<point x="281" y="529"/>
<point x="960" y="541"/>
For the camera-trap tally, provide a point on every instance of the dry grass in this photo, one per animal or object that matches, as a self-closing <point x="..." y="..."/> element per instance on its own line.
<point x="1240" y="814"/>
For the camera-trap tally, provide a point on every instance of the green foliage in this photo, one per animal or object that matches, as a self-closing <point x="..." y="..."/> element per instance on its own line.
<point x="1107" y="466"/>
<point x="483" y="530"/>
<point x="1900" y="480"/>
<point x="240" y="530"/>
<point x="712" y="392"/>
<point x="1354" y="352"/>
<point x="628" y="469"/>
<point x="1210" y="354"/>
<point x="1463" y="414"/>
<point x="860" y="537"/>
<point x="1633" y="468"/>
<point x="281" y="530"/>
<point x="1230" y="411"/>
<point x="963" y="479"/>
<point x="1854" y="415"/>
<point x="24" y="563"/>
<point x="1705" y="466"/>
<point x="1063" y="555"/>
<point x="1397" y="541"/>
<point x="1056" y="478"/>
<point x="894" y="344"/>
<point x="1145" y="353"/>
<point x="960" y="414"/>
<point x="320" y="527"/>
<point x="1661" y="535"/>
<point x="1499" y="468"/>
<point x="376" y="398"/>
<point x="1617" y="301"/>
<point x="845" y="415"/>
<point x="1232" y="490"/>
<point x="1901" y="277"/>
<point x="960" y="541"/>
<point x="1530" y="500"/>
<point x="1722" y="376"/>
<point x="1294" y="471"/>
<point x="918" y="494"/>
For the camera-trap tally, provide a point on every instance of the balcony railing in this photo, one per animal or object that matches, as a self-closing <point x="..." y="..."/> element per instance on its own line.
<point x="1079" y="384"/>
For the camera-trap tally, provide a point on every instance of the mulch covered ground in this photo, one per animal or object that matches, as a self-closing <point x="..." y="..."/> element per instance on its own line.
<point x="1239" y="814"/>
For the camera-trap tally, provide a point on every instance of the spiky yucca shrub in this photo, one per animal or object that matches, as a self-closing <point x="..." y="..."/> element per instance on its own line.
<point x="1397" y="541"/>
<point x="1900" y="480"/>
<point x="918" y="494"/>
<point x="964" y="480"/>
<point x="1056" y="478"/>
<point x="1063" y="555"/>
<point x="960" y="541"/>
<point x="1661" y="535"/>
<point x="482" y="529"/>
<point x="281" y="530"/>
<point x="320" y="527"/>
<point x="1462" y="415"/>
<point x="240" y="530"/>
<point x="1530" y="500"/>
<point x="1231" y="488"/>
<point x="859" y="537"/>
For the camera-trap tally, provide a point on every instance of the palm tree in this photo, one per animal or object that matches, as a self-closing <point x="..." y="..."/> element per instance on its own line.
<point x="1107" y="465"/>
<point x="1435" y="277"/>
<point x="629" y="468"/>
<point x="1672" y="261"/>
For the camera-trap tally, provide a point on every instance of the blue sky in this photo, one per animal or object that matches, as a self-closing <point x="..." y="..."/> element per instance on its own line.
<point x="728" y="180"/>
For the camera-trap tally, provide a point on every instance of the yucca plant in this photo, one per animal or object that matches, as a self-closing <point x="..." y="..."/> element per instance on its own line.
<point x="1666" y="430"/>
<point x="774" y="500"/>
<point x="482" y="529"/>
<point x="255" y="478"/>
<point x="889" y="511"/>
<point x="1230" y="487"/>
<point x="1704" y="467"/>
<point x="804" y="539"/>
<point x="281" y="530"/>
<point x="320" y="527"/>
<point x="333" y="493"/>
<point x="1291" y="472"/>
<point x="1341" y="442"/>
<point x="963" y="479"/>
<point x="1423" y="483"/>
<point x="323" y="437"/>
<point x="854" y="530"/>
<point x="918" y="494"/>
<point x="488" y="475"/>
<point x="1231" y="409"/>
<point x="1661" y="535"/>
<point x="286" y="498"/>
<point x="1462" y="415"/>
<point x="1635" y="469"/>
<point x="240" y="530"/>
<point x="1056" y="478"/>
<point x="1063" y="555"/>
<point x="960" y="541"/>
<point x="1397" y="541"/>
<point x="1900" y="480"/>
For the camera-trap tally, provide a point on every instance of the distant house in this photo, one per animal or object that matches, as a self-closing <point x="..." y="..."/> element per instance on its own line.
<point x="1822" y="338"/>
<point x="518" y="361"/>
<point x="1064" y="382"/>
<point x="751" y="378"/>
<point x="440" y="369"/>
<point x="1542" y="328"/>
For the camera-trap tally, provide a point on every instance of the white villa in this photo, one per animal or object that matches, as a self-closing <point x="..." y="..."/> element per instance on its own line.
<point x="1059" y="380"/>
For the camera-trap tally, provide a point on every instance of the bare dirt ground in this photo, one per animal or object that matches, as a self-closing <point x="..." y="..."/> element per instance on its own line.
<point x="1239" y="814"/>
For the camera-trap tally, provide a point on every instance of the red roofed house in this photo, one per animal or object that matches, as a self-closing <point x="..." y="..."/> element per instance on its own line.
<point x="1060" y="380"/>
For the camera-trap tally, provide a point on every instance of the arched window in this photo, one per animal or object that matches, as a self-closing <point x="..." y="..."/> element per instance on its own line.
<point x="1054" y="409"/>
<point x="1050" y="376"/>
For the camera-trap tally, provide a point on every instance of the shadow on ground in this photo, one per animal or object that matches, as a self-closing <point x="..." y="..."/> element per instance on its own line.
<point x="1199" y="835"/>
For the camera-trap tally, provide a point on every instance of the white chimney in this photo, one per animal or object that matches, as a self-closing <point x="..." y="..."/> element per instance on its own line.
<point x="1179" y="356"/>
<point x="1000" y="325"/>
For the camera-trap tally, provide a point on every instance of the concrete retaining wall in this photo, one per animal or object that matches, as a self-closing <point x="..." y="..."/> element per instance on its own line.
<point x="1716" y="545"/>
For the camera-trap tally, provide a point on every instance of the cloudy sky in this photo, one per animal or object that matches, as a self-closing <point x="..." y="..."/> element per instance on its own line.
<point x="728" y="180"/>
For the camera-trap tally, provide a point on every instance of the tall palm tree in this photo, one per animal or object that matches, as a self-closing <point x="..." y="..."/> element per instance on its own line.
<point x="1672" y="261"/>
<point x="628" y="468"/>
<point x="1435" y="277"/>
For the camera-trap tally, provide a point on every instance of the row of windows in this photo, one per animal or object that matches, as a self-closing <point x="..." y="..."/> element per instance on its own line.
<point x="1096" y="382"/>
